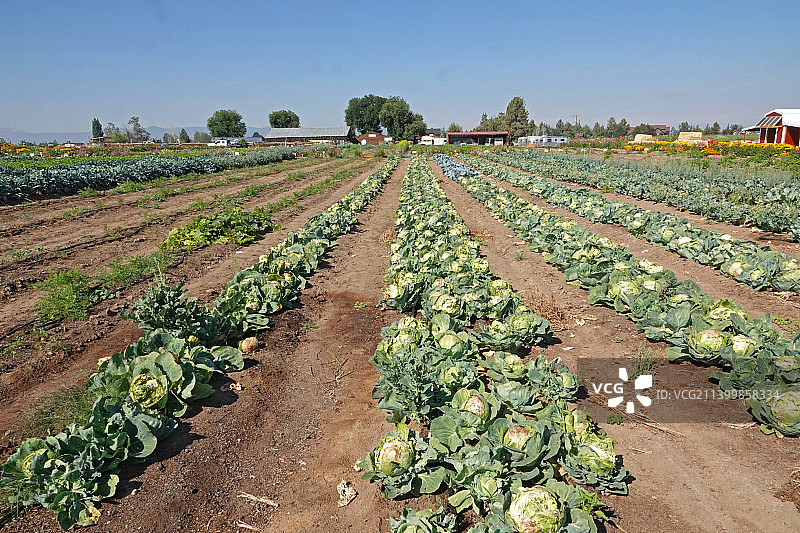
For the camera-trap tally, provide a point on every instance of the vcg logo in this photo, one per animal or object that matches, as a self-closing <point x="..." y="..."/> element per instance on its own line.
<point x="640" y="383"/>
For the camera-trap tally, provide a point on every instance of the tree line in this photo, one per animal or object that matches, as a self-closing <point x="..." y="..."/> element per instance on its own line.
<point x="371" y="113"/>
<point x="223" y="123"/>
<point x="518" y="123"/>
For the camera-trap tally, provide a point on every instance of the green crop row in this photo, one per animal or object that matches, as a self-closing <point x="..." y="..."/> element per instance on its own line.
<point x="18" y="186"/>
<point x="735" y="199"/>
<point x="143" y="388"/>
<point x="754" y="357"/>
<point x="500" y="433"/>
<point x="745" y="261"/>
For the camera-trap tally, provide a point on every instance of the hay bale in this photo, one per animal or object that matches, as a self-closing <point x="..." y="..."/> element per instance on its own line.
<point x="643" y="138"/>
<point x="690" y="136"/>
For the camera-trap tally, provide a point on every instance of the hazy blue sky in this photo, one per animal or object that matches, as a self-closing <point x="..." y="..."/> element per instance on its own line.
<point x="173" y="63"/>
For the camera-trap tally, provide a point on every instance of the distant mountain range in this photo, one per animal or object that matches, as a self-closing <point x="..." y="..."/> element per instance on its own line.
<point x="14" y="135"/>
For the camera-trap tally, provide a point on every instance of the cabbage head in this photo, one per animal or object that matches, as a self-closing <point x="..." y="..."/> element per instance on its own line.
<point x="395" y="455"/>
<point x="785" y="408"/>
<point x="517" y="436"/>
<point x="649" y="266"/>
<point x="707" y="344"/>
<point x="596" y="454"/>
<point x="721" y="310"/>
<point x="148" y="390"/>
<point x="742" y="345"/>
<point x="623" y="287"/>
<point x="779" y="412"/>
<point x="534" y="510"/>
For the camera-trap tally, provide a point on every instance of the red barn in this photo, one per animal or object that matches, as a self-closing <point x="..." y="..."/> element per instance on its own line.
<point x="779" y="126"/>
<point x="374" y="138"/>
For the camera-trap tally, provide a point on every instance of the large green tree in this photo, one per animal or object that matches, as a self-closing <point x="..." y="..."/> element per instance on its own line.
<point x="201" y="137"/>
<point x="136" y="133"/>
<point x="226" y="123"/>
<point x="184" y="137"/>
<point x="516" y="118"/>
<point x="363" y="113"/>
<point x="97" y="128"/>
<point x="415" y="128"/>
<point x="284" y="118"/>
<point x="487" y="123"/>
<point x="395" y="115"/>
<point x="454" y="127"/>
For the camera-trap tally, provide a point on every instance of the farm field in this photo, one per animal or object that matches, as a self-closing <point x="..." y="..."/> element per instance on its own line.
<point x="268" y="448"/>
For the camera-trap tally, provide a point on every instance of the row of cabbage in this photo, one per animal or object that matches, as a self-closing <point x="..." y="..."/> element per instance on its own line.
<point x="745" y="261"/>
<point x="499" y="431"/>
<point x="143" y="388"/>
<point x="754" y="201"/>
<point x="758" y="362"/>
<point x="21" y="185"/>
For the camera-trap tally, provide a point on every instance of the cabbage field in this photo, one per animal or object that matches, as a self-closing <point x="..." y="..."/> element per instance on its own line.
<point x="497" y="341"/>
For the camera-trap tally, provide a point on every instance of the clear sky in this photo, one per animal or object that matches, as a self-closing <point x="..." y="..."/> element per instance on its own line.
<point x="174" y="62"/>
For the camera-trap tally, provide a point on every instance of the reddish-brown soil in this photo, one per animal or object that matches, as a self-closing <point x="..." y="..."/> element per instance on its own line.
<point x="29" y="373"/>
<point x="304" y="414"/>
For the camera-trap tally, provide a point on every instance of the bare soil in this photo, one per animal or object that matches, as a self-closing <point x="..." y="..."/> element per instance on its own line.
<point x="305" y="415"/>
<point x="28" y="374"/>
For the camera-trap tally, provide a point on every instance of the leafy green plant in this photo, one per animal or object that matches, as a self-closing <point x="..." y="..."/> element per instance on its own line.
<point x="68" y="296"/>
<point x="230" y="224"/>
<point x="124" y="272"/>
<point x="166" y="308"/>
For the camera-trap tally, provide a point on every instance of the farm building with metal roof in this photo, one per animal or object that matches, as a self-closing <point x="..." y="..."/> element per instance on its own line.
<point x="497" y="138"/>
<point x="336" y="135"/>
<point x="779" y="126"/>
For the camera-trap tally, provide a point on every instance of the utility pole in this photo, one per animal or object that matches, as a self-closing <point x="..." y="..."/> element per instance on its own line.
<point x="576" y="126"/>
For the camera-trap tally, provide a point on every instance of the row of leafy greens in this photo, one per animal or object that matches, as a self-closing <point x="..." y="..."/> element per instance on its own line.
<point x="772" y="205"/>
<point x="745" y="261"/>
<point x="754" y="357"/>
<point x="145" y="387"/>
<point x="500" y="431"/>
<point x="22" y="185"/>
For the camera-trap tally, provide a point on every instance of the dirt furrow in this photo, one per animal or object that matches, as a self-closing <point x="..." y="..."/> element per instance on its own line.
<point x="16" y="307"/>
<point x="670" y="490"/>
<point x="304" y="415"/>
<point x="710" y="279"/>
<point x="776" y="241"/>
<point x="64" y="238"/>
<point x="40" y="371"/>
<point x="43" y="212"/>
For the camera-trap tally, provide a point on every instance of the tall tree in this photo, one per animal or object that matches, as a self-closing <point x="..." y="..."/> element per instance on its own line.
<point x="622" y="128"/>
<point x="284" y="118"/>
<point x="136" y="133"/>
<point x="454" y="127"/>
<point x="415" y="128"/>
<point x="598" y="130"/>
<point x="226" y="123"/>
<point x="363" y="113"/>
<point x="395" y="115"/>
<point x="184" y="137"/>
<point x="716" y="128"/>
<point x="97" y="128"/>
<point x="201" y="137"/>
<point x="611" y="126"/>
<point x="516" y="118"/>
